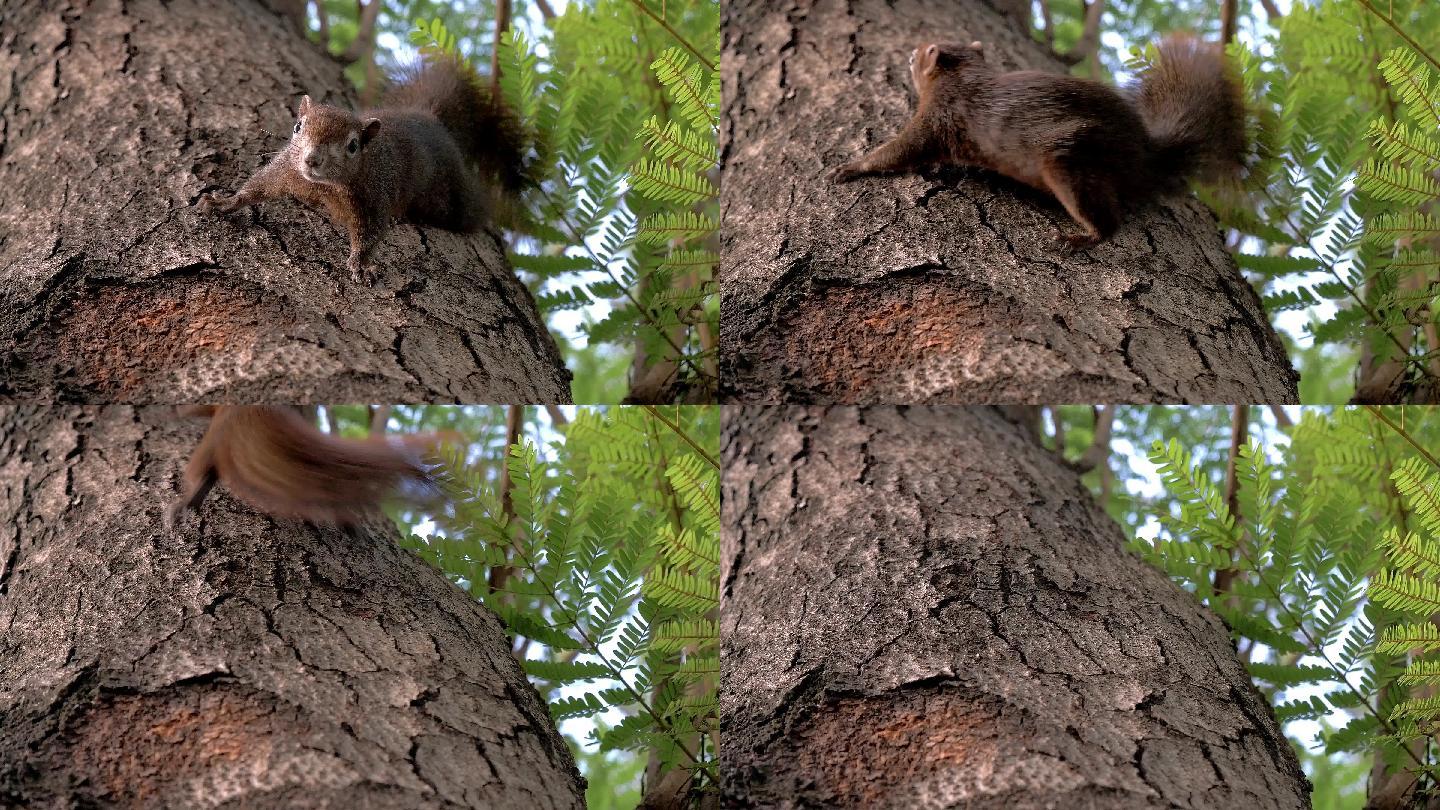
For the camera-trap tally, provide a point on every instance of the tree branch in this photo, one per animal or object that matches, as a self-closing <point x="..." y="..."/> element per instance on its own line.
<point x="1239" y="428"/>
<point x="1099" y="449"/>
<point x="502" y="22"/>
<point x="1229" y="10"/>
<point x="364" y="41"/>
<point x="676" y="34"/>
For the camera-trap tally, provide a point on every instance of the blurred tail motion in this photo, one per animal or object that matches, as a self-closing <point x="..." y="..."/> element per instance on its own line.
<point x="276" y="461"/>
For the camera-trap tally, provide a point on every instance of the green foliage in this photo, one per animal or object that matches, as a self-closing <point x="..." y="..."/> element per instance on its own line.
<point x="1298" y="230"/>
<point x="631" y="212"/>
<point x="1398" y="177"/>
<point x="1410" y="588"/>
<point x="601" y="555"/>
<point x="1330" y="209"/>
<point x="1335" y="552"/>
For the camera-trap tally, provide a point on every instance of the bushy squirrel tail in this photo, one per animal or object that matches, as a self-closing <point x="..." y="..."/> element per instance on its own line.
<point x="1191" y="101"/>
<point x="482" y="124"/>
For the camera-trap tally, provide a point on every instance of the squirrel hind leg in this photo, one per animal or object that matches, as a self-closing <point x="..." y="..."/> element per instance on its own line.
<point x="1089" y="198"/>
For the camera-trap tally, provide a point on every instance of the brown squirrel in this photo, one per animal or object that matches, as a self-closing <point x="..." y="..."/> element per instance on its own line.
<point x="404" y="161"/>
<point x="1094" y="148"/>
<point x="278" y="462"/>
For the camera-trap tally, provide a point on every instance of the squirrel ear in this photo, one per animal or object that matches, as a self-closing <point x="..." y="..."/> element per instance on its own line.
<point x="372" y="126"/>
<point x="304" y="107"/>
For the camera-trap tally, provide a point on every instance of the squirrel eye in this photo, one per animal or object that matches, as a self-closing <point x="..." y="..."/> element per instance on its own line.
<point x="297" y="127"/>
<point x="353" y="145"/>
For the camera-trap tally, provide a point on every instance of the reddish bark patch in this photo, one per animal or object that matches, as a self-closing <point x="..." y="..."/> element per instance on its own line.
<point x="135" y="749"/>
<point x="117" y="338"/>
<point x="862" y="750"/>
<point x="843" y="340"/>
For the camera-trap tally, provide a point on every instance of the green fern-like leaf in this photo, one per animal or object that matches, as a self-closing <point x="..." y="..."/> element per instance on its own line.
<point x="1401" y="184"/>
<point x="677" y="226"/>
<point x="689" y="87"/>
<point x="1404" y="638"/>
<point x="675" y="143"/>
<point x="669" y="183"/>
<point x="1405" y="593"/>
<point x="1414" y="83"/>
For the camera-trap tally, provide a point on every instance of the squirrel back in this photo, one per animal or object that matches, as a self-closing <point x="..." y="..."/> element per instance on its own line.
<point x="487" y="131"/>
<point x="276" y="461"/>
<point x="1190" y="100"/>
<point x="1097" y="150"/>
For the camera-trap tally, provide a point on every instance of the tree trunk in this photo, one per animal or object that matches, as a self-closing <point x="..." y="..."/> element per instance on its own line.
<point x="944" y="287"/>
<point x="923" y="608"/>
<point x="241" y="661"/>
<point x="115" y="115"/>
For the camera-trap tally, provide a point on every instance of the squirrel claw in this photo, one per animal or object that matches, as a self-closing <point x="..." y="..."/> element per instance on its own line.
<point x="844" y="174"/>
<point x="357" y="270"/>
<point x="172" y="515"/>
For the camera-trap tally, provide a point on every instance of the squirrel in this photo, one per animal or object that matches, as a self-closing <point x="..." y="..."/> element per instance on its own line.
<point x="1094" y="148"/>
<point x="278" y="462"/>
<point x="404" y="161"/>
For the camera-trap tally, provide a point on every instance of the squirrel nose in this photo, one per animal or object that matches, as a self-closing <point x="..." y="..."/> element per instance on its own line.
<point x="313" y="161"/>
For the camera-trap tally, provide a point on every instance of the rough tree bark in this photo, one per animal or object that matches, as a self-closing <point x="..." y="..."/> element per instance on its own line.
<point x="115" y="115"/>
<point x="923" y="608"/>
<point x="240" y="662"/>
<point x="944" y="287"/>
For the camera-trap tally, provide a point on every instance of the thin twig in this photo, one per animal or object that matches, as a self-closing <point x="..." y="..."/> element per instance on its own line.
<point x="676" y="34"/>
<point x="1398" y="30"/>
<point x="682" y="434"/>
<point x="513" y="414"/>
<point x="1239" y="428"/>
<point x="1379" y="414"/>
<point x="1282" y="419"/>
<point x="557" y="416"/>
<point x="502" y="22"/>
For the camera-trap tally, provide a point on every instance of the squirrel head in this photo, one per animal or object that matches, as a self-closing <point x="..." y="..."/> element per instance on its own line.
<point x="935" y="59"/>
<point x="327" y="143"/>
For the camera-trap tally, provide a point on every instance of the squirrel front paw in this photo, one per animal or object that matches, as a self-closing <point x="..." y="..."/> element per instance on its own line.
<point x="845" y="174"/>
<point x="210" y="204"/>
